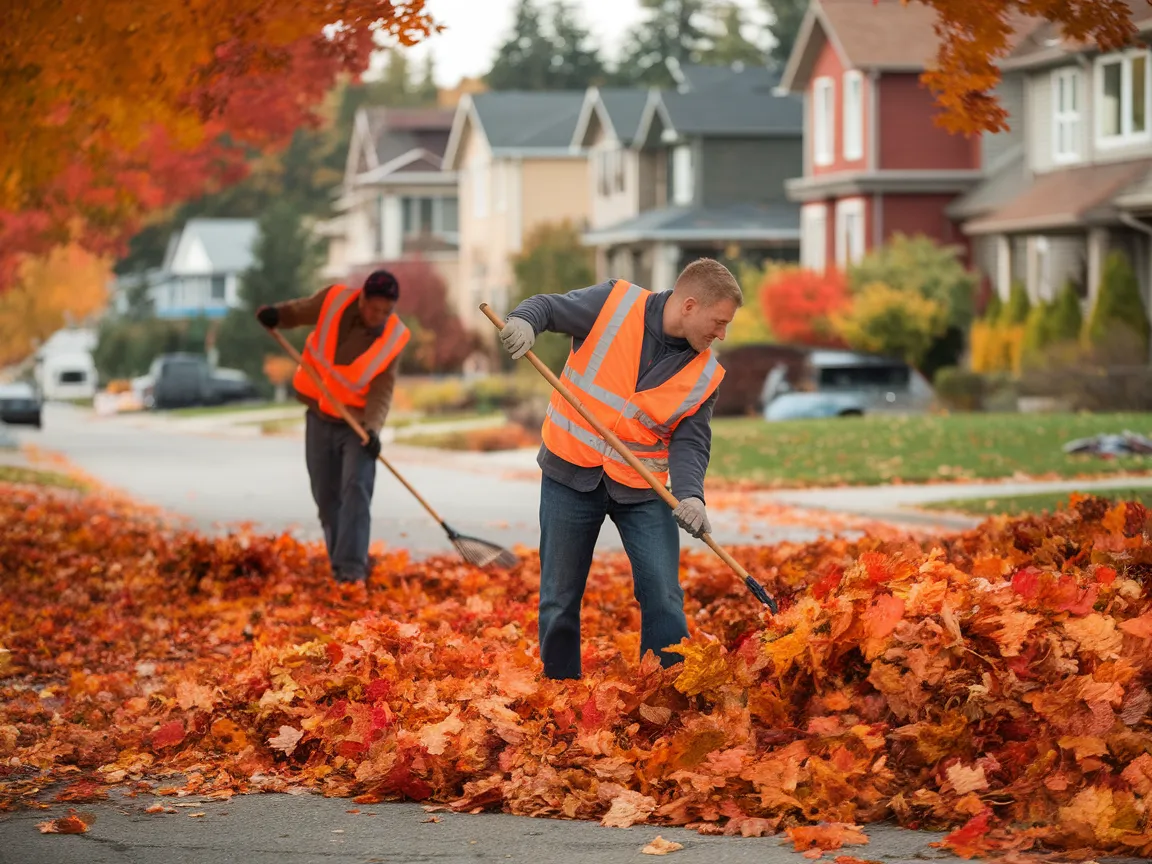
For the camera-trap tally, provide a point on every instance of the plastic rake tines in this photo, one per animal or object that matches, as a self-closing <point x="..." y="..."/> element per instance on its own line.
<point x="482" y="553"/>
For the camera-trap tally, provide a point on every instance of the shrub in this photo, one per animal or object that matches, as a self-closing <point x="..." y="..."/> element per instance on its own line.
<point x="1119" y="309"/>
<point x="960" y="390"/>
<point x="1037" y="335"/>
<point x="799" y="303"/>
<point x="1065" y="321"/>
<point x="891" y="321"/>
<point x="919" y="265"/>
<point x="1015" y="311"/>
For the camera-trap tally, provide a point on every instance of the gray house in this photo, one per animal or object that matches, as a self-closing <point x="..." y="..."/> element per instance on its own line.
<point x="695" y="171"/>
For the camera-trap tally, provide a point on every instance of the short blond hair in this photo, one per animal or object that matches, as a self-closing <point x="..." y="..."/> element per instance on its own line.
<point x="709" y="282"/>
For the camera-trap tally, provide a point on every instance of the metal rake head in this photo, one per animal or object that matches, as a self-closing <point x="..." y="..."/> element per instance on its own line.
<point x="482" y="553"/>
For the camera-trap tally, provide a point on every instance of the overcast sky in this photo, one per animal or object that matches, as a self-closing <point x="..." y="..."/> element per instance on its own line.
<point x="473" y="29"/>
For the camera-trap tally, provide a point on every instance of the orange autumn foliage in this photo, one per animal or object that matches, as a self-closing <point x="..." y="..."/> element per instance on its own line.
<point x="66" y="283"/>
<point x="1008" y="702"/>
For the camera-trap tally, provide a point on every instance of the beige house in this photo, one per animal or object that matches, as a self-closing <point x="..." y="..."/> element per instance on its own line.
<point x="396" y="202"/>
<point x="517" y="170"/>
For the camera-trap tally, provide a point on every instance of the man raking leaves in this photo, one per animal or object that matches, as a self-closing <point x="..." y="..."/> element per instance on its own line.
<point x="642" y="363"/>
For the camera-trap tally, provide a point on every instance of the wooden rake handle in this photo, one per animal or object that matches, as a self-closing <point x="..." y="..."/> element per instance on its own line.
<point x="618" y="445"/>
<point x="347" y="416"/>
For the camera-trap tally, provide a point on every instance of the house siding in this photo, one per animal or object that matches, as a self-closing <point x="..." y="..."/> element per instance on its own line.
<point x="909" y="136"/>
<point x="739" y="169"/>
<point x="1010" y="92"/>
<point x="919" y="214"/>
<point x="554" y="190"/>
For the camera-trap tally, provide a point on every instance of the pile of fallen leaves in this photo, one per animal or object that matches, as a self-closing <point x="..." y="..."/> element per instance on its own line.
<point x="994" y="683"/>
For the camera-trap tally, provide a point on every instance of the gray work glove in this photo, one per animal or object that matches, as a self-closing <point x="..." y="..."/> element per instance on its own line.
<point x="692" y="517"/>
<point x="517" y="337"/>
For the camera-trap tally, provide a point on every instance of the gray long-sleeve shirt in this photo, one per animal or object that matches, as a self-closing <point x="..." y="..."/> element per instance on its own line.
<point x="661" y="357"/>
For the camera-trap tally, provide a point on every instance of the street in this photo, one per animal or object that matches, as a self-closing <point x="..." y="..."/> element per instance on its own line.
<point x="221" y="480"/>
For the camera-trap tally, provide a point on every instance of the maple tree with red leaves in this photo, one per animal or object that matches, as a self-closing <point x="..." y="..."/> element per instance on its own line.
<point x="118" y="108"/>
<point x="993" y="682"/>
<point x="798" y="304"/>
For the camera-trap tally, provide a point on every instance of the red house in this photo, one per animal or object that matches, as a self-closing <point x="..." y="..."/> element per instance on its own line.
<point x="875" y="162"/>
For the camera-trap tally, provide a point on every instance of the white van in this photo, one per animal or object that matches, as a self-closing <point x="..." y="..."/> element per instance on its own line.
<point x="67" y="375"/>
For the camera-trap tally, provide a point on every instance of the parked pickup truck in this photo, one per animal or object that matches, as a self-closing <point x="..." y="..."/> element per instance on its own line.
<point x="184" y="380"/>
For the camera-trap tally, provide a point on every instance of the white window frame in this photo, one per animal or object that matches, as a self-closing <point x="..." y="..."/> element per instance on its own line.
<point x="823" y="121"/>
<point x="853" y="124"/>
<point x="480" y="180"/>
<point x="848" y="254"/>
<point x="1066" y="117"/>
<point x="1126" y="136"/>
<point x="683" y="175"/>
<point x="814" y="237"/>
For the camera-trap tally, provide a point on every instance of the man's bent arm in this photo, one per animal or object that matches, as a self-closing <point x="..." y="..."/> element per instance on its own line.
<point x="689" y="452"/>
<point x="573" y="313"/>
<point x="380" y="397"/>
<point x="303" y="312"/>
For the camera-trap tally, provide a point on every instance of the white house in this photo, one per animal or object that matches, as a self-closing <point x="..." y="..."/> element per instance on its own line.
<point x="201" y="272"/>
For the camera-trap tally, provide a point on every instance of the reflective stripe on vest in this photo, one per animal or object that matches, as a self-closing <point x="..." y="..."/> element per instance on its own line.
<point x="320" y="351"/>
<point x="643" y="420"/>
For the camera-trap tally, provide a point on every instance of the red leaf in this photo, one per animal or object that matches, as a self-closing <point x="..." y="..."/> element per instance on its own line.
<point x="168" y="735"/>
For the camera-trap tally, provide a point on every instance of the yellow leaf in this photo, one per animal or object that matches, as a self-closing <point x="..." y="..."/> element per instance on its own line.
<point x="705" y="667"/>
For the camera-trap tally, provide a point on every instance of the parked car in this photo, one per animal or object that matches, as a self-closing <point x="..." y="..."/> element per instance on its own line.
<point x="746" y="369"/>
<point x="67" y="375"/>
<point x="21" y="404"/>
<point x="186" y="380"/>
<point x="846" y="384"/>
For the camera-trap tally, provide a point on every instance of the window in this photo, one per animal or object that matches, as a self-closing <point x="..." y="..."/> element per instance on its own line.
<point x="849" y="231"/>
<point x="416" y="215"/>
<point x="74" y="376"/>
<point x="813" y="236"/>
<point x="480" y="191"/>
<point x="823" y="120"/>
<point x="683" y="178"/>
<point x="619" y="170"/>
<point x="449" y="215"/>
<point x="219" y="286"/>
<point x="602" y="172"/>
<point x="853" y="116"/>
<point x="1066" y="115"/>
<point x="1123" y="91"/>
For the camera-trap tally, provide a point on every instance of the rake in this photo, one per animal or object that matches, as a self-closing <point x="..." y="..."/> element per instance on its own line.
<point x="471" y="549"/>
<point x="608" y="435"/>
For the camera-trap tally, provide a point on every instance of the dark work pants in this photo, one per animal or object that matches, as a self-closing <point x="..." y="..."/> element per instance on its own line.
<point x="343" y="477"/>
<point x="569" y="525"/>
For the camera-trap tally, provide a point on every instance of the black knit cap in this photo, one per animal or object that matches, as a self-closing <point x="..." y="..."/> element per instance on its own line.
<point x="382" y="284"/>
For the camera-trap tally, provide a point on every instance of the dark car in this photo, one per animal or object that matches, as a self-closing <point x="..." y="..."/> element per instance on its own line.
<point x="186" y="380"/>
<point x="20" y="404"/>
<point x="746" y="368"/>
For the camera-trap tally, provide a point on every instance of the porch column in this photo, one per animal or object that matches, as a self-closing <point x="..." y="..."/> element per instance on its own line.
<point x="392" y="228"/>
<point x="1097" y="250"/>
<point x="664" y="260"/>
<point x="1003" y="278"/>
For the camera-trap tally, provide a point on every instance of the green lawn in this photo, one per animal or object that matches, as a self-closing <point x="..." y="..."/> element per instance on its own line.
<point x="34" y="477"/>
<point x="1045" y="502"/>
<point x="874" y="450"/>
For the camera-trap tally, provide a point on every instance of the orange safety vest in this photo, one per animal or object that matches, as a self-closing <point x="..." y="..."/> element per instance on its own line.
<point x="348" y="384"/>
<point x="603" y="374"/>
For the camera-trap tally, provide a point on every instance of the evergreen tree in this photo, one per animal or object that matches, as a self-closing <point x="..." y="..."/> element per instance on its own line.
<point x="524" y="60"/>
<point x="576" y="62"/>
<point x="672" y="30"/>
<point x="729" y="44"/>
<point x="285" y="265"/>
<point x="787" y="16"/>
<point x="1119" y="320"/>
<point x="426" y="91"/>
<point x="1066" y="320"/>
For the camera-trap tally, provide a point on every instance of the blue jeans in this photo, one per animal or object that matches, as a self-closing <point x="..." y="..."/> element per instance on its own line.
<point x="569" y="525"/>
<point x="343" y="477"/>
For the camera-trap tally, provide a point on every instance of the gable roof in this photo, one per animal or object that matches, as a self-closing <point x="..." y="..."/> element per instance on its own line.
<point x="517" y="122"/>
<point x="738" y="102"/>
<point x="618" y="109"/>
<point x="884" y="35"/>
<point x="1046" y="44"/>
<point x="381" y="135"/>
<point x="227" y="242"/>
